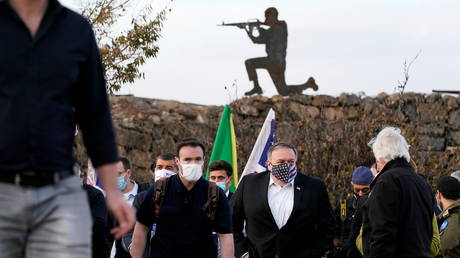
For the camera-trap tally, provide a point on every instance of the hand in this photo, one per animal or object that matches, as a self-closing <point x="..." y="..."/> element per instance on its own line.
<point x="122" y="211"/>
<point x="246" y="256"/>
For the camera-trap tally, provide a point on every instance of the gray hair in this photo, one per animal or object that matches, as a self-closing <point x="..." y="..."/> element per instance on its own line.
<point x="280" y="145"/>
<point x="456" y="174"/>
<point x="390" y="144"/>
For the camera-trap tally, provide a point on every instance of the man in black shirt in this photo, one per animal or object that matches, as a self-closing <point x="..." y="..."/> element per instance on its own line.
<point x="51" y="79"/>
<point x="184" y="228"/>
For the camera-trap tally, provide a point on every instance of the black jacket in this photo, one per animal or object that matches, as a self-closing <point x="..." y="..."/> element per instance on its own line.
<point x="99" y="214"/>
<point x="397" y="217"/>
<point x="307" y="233"/>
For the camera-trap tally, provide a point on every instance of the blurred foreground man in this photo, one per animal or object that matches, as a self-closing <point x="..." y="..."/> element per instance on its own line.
<point x="398" y="215"/>
<point x="448" y="196"/>
<point x="51" y="79"/>
<point x="184" y="212"/>
<point x="285" y="213"/>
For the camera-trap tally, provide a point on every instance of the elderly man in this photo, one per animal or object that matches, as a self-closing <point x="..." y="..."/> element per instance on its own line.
<point x="285" y="213"/>
<point x="456" y="174"/>
<point x="397" y="217"/>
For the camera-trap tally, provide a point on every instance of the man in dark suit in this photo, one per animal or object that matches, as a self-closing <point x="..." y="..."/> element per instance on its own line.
<point x="287" y="213"/>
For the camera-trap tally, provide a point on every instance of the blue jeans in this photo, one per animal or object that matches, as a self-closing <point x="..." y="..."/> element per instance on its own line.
<point x="47" y="222"/>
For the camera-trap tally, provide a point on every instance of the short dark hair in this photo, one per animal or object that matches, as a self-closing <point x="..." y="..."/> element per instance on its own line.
<point x="126" y="163"/>
<point x="449" y="186"/>
<point x="164" y="156"/>
<point x="221" y="165"/>
<point x="272" y="10"/>
<point x="280" y="145"/>
<point x="193" y="142"/>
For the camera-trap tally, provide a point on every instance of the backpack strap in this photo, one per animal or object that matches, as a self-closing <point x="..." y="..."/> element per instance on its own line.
<point x="158" y="196"/>
<point x="211" y="204"/>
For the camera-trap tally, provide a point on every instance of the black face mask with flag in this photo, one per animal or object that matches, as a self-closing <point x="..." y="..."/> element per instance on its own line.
<point x="285" y="172"/>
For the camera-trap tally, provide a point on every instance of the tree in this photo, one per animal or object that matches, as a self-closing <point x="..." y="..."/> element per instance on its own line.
<point x="124" y="52"/>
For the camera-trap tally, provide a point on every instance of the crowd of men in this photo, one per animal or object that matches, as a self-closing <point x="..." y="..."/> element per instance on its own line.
<point x="391" y="212"/>
<point x="51" y="79"/>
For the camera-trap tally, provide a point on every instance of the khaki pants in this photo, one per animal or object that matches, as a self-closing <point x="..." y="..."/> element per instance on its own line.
<point x="47" y="222"/>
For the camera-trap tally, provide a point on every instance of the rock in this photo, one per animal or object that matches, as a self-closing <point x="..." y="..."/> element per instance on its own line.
<point x="333" y="113"/>
<point x="431" y="130"/>
<point x="454" y="118"/>
<point x="248" y="110"/>
<point x="432" y="143"/>
<point x="325" y="101"/>
<point x="454" y="138"/>
<point x="140" y="159"/>
<point x="133" y="139"/>
<point x="430" y="113"/>
<point x="349" y="99"/>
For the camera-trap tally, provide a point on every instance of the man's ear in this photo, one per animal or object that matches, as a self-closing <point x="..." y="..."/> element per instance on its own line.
<point x="129" y="172"/>
<point x="269" y="165"/>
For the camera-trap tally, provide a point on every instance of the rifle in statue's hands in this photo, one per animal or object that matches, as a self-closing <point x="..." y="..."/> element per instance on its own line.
<point x="243" y="25"/>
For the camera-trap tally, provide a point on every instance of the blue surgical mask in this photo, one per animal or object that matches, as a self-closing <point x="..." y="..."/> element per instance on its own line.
<point x="222" y="186"/>
<point x="121" y="183"/>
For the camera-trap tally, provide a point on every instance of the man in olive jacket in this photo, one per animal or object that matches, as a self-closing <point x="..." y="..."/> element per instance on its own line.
<point x="399" y="212"/>
<point x="448" y="195"/>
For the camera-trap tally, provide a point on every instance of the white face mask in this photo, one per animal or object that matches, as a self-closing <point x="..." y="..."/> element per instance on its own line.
<point x="163" y="173"/>
<point x="192" y="172"/>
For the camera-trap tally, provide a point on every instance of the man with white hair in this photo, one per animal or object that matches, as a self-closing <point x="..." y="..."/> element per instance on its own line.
<point x="397" y="218"/>
<point x="456" y="174"/>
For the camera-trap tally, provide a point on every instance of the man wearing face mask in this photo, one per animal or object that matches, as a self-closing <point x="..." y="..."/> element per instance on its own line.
<point x="130" y="189"/>
<point x="220" y="172"/>
<point x="287" y="214"/>
<point x="165" y="166"/>
<point x="185" y="220"/>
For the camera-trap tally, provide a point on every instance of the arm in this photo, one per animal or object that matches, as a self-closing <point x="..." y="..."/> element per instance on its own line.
<point x="139" y="240"/>
<point x="261" y="39"/>
<point x="325" y="225"/>
<point x="226" y="245"/>
<point x="241" y="242"/>
<point x="435" y="246"/>
<point x="92" y="112"/>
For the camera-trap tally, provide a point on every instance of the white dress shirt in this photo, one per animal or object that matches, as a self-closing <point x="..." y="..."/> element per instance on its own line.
<point x="281" y="201"/>
<point x="129" y="197"/>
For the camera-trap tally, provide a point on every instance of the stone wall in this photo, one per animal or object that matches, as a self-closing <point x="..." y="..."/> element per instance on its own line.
<point x="331" y="133"/>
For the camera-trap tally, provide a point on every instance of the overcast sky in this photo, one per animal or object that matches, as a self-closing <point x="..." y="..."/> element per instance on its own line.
<point x="347" y="46"/>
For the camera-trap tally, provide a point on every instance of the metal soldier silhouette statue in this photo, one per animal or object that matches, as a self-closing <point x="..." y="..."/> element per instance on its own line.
<point x="275" y="40"/>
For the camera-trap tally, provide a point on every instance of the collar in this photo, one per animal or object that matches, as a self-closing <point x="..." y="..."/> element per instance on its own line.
<point x="397" y="162"/>
<point x="133" y="191"/>
<point x="451" y="209"/>
<point x="180" y="187"/>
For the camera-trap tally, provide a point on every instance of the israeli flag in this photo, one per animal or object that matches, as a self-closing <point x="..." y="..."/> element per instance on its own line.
<point x="257" y="160"/>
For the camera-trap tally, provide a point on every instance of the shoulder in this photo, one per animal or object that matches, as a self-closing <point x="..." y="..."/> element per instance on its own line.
<point x="302" y="178"/>
<point x="255" y="178"/>
<point x="76" y="19"/>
